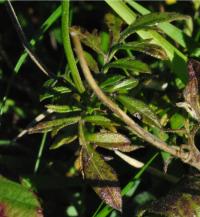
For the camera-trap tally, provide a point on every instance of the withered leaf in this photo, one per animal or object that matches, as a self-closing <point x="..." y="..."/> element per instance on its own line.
<point x="101" y="177"/>
<point x="91" y="40"/>
<point x="191" y="91"/>
<point x="114" y="24"/>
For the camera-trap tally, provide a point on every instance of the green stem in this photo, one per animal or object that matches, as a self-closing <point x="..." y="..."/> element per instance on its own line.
<point x="67" y="47"/>
<point x="38" y="160"/>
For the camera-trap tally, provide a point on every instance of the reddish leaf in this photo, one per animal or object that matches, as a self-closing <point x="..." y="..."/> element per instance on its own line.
<point x="191" y="92"/>
<point x="101" y="177"/>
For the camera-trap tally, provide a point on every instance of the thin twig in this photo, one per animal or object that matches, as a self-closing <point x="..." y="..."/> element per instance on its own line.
<point x="25" y="42"/>
<point x="115" y="108"/>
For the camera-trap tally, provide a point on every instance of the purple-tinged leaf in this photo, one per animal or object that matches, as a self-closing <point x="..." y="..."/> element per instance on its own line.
<point x="111" y="141"/>
<point x="47" y="126"/>
<point x="98" y="173"/>
<point x="191" y="91"/>
<point x="17" y="201"/>
<point x="101" y="177"/>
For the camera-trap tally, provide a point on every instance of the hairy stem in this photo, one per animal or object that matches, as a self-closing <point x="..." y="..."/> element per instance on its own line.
<point x="115" y="108"/>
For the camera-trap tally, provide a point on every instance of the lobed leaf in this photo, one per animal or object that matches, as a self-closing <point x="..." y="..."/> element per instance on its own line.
<point x="135" y="66"/>
<point x="135" y="106"/>
<point x="150" y="20"/>
<point x="110" y="141"/>
<point x="47" y="126"/>
<point x="17" y="201"/>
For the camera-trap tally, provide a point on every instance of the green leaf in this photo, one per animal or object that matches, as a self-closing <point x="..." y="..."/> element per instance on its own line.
<point x="177" y="58"/>
<point x="99" y="120"/>
<point x="160" y="134"/>
<point x="91" y="40"/>
<point x="99" y="174"/>
<point x="123" y="86"/>
<point x="111" y="141"/>
<point x="92" y="64"/>
<point x="62" y="140"/>
<point x="63" y="108"/>
<point x="117" y="83"/>
<point x="177" y="121"/>
<point x="113" y="80"/>
<point x="143" y="46"/>
<point x="53" y="92"/>
<point x="150" y="20"/>
<point x="135" y="66"/>
<point x="47" y="126"/>
<point x="135" y="106"/>
<point x="114" y="24"/>
<point x="101" y="177"/>
<point x="17" y="201"/>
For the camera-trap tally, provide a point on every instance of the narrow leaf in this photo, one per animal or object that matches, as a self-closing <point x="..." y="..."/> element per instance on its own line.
<point x="101" y="177"/>
<point x="143" y="46"/>
<point x="62" y="140"/>
<point x="135" y="106"/>
<point x="99" y="120"/>
<point x="112" y="81"/>
<point x="114" y="24"/>
<point x="53" y="92"/>
<point x="17" y="201"/>
<point x="123" y="86"/>
<point x="91" y="62"/>
<point x="99" y="174"/>
<point x="130" y="64"/>
<point x="47" y="126"/>
<point x="111" y="141"/>
<point x="63" y="108"/>
<point x="149" y="20"/>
